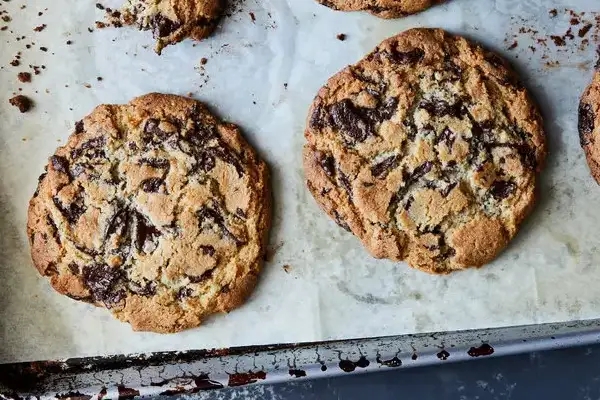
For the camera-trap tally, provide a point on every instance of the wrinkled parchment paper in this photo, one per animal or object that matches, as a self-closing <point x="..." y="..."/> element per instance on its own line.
<point x="263" y="75"/>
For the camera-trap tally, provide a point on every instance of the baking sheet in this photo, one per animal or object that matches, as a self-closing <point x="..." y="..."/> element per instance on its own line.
<point x="263" y="75"/>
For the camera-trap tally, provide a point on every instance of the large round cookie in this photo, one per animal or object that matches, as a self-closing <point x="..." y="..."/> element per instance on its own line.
<point x="382" y="8"/>
<point x="589" y="123"/>
<point x="427" y="150"/>
<point x="172" y="21"/>
<point x="155" y="210"/>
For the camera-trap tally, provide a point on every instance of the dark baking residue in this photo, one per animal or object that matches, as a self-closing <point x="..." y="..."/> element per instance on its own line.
<point x="350" y="366"/>
<point x="126" y="393"/>
<point x="483" y="350"/>
<point x="443" y="355"/>
<point x="241" y="379"/>
<point x="297" y="373"/>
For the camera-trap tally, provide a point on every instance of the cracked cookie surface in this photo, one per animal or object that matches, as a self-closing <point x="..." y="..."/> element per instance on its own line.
<point x="382" y="8"/>
<point x="427" y="150"/>
<point x="156" y="210"/>
<point x="589" y="123"/>
<point x="171" y="21"/>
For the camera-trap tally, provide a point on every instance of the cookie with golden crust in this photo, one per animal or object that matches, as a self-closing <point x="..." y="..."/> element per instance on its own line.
<point x="589" y="123"/>
<point x="382" y="8"/>
<point x="156" y="210"/>
<point x="427" y="150"/>
<point x="171" y="21"/>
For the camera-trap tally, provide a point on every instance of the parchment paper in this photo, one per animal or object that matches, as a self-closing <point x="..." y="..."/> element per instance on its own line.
<point x="333" y="289"/>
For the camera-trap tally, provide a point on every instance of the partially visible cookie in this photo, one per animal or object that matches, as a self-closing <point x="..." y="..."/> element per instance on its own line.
<point x="172" y="21"/>
<point x="156" y="210"/>
<point x="589" y="123"/>
<point x="382" y="8"/>
<point x="427" y="149"/>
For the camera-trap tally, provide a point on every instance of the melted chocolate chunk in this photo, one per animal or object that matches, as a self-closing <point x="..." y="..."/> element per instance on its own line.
<point x="211" y="216"/>
<point x="502" y="189"/>
<point x="206" y="162"/>
<point x="409" y="57"/>
<point x="421" y="171"/>
<point x="586" y="122"/>
<point x="162" y="26"/>
<point x="382" y="169"/>
<point x="54" y="229"/>
<point x="350" y="121"/>
<point x="74" y="268"/>
<point x="146" y="289"/>
<point x="183" y="293"/>
<point x="446" y="191"/>
<point x="202" y="278"/>
<point x="71" y="212"/>
<point x="447" y="136"/>
<point x="153" y="135"/>
<point x="146" y="234"/>
<point x="240" y="213"/>
<point x="441" y="108"/>
<point x="319" y="118"/>
<point x="340" y="221"/>
<point x="91" y="148"/>
<point x="327" y="162"/>
<point x="152" y="185"/>
<point x="158" y="163"/>
<point x="103" y="281"/>
<point x="79" y="127"/>
<point x="208" y="250"/>
<point x="60" y="164"/>
<point x="345" y="182"/>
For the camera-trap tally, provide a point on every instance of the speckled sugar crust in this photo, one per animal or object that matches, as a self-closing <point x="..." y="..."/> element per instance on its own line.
<point x="172" y="21"/>
<point x="382" y="8"/>
<point x="589" y="123"/>
<point x="156" y="210"/>
<point x="427" y="150"/>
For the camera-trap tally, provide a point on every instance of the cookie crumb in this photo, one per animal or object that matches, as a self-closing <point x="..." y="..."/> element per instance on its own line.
<point x="24" y="77"/>
<point x="87" y="85"/>
<point x="15" y="63"/>
<point x="553" y="12"/>
<point x="341" y="37"/>
<point x="203" y="60"/>
<point x="287" y="268"/>
<point x="23" y="103"/>
<point x="252" y="17"/>
<point x="40" y="28"/>
<point x="513" y="46"/>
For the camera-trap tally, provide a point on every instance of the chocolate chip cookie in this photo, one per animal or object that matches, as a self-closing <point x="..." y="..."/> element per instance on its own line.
<point x="382" y="8"/>
<point x="156" y="210"/>
<point x="589" y="123"/>
<point x="171" y="21"/>
<point x="427" y="150"/>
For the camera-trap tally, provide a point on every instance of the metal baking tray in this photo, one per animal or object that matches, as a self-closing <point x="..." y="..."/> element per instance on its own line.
<point x="188" y="372"/>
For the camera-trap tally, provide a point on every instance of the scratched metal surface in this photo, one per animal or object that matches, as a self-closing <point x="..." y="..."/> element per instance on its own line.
<point x="174" y="373"/>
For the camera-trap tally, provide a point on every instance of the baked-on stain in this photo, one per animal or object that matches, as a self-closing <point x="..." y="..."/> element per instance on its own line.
<point x="241" y="379"/>
<point x="349" y="366"/>
<point x="126" y="393"/>
<point x="23" y="103"/>
<point x="393" y="362"/>
<point x="73" y="395"/>
<point x="483" y="350"/>
<point x="414" y="357"/>
<point x="443" y="355"/>
<point x="297" y="373"/>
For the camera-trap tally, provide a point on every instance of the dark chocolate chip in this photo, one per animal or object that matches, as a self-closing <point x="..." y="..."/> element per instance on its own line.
<point x="73" y="211"/>
<point x="151" y="185"/>
<point x="446" y="191"/>
<point x="319" y="118"/>
<point x="327" y="162"/>
<point x="183" y="293"/>
<point x="202" y="278"/>
<point x="340" y="221"/>
<point x="383" y="168"/>
<point x="241" y="213"/>
<point x="345" y="182"/>
<point x="502" y="189"/>
<point x="74" y="268"/>
<point x="143" y="289"/>
<point x="349" y="120"/>
<point x="208" y="250"/>
<point x="162" y="26"/>
<point x="145" y="233"/>
<point x="421" y="171"/>
<point x="79" y="127"/>
<point x="409" y="57"/>
<point x="210" y="216"/>
<point x="103" y="282"/>
<point x="60" y="164"/>
<point x="447" y="136"/>
<point x="586" y="122"/>
<point x="158" y="163"/>
<point x="95" y="145"/>
<point x="441" y="108"/>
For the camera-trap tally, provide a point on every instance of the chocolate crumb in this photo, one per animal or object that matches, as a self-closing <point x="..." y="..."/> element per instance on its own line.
<point x="252" y="17"/>
<point x="513" y="46"/>
<point x="100" y="79"/>
<point x="583" y="31"/>
<point x="203" y="60"/>
<point x="341" y="36"/>
<point x="99" y="6"/>
<point x="553" y="12"/>
<point x="43" y="48"/>
<point x="558" y="41"/>
<point x="69" y="42"/>
<point x="23" y="103"/>
<point x="24" y="77"/>
<point x="287" y="268"/>
<point x="15" y="63"/>
<point x="40" y="28"/>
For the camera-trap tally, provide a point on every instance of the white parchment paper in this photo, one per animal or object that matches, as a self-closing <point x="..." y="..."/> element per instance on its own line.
<point x="263" y="75"/>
